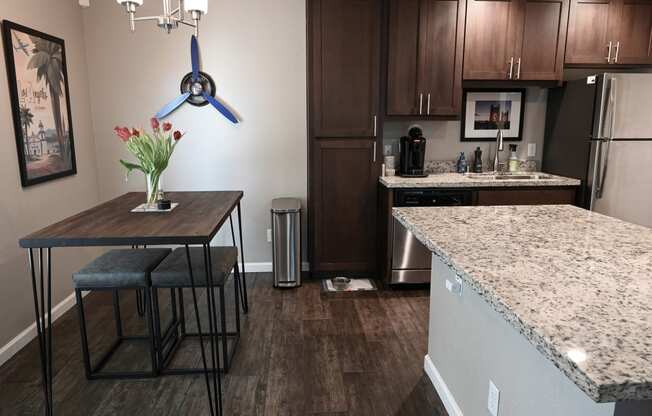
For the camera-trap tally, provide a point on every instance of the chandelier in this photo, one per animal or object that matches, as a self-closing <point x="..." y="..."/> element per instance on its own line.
<point x="171" y="18"/>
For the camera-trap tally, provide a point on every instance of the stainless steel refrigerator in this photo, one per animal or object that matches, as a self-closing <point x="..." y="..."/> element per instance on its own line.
<point x="599" y="130"/>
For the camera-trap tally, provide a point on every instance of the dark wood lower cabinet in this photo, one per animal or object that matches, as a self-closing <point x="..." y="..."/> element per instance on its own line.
<point x="537" y="196"/>
<point x="342" y="206"/>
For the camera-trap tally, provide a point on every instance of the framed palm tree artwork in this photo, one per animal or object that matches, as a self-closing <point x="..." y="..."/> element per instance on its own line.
<point x="40" y="100"/>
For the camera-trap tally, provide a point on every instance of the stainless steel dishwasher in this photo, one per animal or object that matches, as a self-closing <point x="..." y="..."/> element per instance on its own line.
<point x="411" y="260"/>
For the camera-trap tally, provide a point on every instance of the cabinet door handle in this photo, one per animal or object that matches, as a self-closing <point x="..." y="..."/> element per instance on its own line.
<point x="374" y="150"/>
<point x="428" y="105"/>
<point x="518" y="69"/>
<point x="511" y="68"/>
<point x="375" y="126"/>
<point x="608" y="57"/>
<point x="420" y="104"/>
<point x="617" y="51"/>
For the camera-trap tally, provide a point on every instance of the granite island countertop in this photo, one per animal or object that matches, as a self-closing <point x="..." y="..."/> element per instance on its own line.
<point x="458" y="180"/>
<point x="576" y="284"/>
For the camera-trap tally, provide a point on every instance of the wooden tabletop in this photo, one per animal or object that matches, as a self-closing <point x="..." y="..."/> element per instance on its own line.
<point x="195" y="221"/>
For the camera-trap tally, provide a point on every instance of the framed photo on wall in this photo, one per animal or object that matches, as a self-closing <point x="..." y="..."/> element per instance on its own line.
<point x="40" y="103"/>
<point x="485" y="111"/>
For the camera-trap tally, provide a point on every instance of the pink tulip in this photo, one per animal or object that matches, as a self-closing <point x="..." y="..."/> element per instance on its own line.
<point x="123" y="133"/>
<point x="177" y="135"/>
<point x="167" y="126"/>
<point x="155" y="124"/>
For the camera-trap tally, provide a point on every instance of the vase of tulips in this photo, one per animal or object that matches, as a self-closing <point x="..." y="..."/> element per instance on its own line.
<point x="152" y="150"/>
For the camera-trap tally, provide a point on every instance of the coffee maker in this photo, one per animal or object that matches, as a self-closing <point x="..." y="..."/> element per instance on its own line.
<point x="413" y="153"/>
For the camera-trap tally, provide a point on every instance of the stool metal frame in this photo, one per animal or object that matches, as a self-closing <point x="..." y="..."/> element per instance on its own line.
<point x="95" y="371"/>
<point x="168" y="342"/>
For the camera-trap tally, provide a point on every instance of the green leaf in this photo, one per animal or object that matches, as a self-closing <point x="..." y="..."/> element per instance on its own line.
<point x="131" y="166"/>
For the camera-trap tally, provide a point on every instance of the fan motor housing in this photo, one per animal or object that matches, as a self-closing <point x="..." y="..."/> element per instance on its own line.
<point x="204" y="83"/>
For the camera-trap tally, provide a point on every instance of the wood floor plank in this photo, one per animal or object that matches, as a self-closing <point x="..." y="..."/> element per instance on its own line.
<point x="301" y="353"/>
<point x="325" y="390"/>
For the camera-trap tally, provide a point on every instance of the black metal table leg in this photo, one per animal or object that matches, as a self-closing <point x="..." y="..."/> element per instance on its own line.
<point x="207" y="373"/>
<point x="44" y="333"/>
<point x="243" y="289"/>
<point x="217" y="382"/>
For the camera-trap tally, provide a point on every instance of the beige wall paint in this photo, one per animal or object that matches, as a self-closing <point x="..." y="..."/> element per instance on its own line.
<point x="256" y="52"/>
<point x="444" y="136"/>
<point x="23" y="210"/>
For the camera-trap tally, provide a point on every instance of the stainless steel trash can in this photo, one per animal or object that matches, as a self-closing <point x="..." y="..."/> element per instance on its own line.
<point x="286" y="242"/>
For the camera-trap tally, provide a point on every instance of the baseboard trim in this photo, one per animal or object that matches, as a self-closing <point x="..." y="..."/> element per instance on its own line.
<point x="29" y="333"/>
<point x="266" y="266"/>
<point x="444" y="393"/>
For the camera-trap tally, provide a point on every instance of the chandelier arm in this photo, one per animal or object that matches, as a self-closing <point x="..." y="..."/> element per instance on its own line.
<point x="186" y="23"/>
<point x="143" y="18"/>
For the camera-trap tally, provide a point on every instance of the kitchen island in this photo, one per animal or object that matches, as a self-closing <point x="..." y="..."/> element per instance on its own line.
<point x="553" y="304"/>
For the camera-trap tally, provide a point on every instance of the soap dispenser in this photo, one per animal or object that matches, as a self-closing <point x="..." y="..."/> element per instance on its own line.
<point x="477" y="161"/>
<point x="462" y="165"/>
<point x="513" y="159"/>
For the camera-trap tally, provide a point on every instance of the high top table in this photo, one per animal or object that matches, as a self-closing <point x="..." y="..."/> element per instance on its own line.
<point x="195" y="221"/>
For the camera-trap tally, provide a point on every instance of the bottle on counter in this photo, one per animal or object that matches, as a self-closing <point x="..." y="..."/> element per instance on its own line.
<point x="477" y="161"/>
<point x="462" y="165"/>
<point x="513" y="159"/>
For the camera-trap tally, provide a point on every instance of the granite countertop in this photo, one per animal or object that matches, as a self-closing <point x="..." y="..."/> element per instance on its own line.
<point x="576" y="284"/>
<point x="457" y="180"/>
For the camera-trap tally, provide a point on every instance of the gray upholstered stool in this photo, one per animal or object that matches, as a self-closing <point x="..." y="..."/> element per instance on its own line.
<point x="114" y="270"/>
<point x="173" y="273"/>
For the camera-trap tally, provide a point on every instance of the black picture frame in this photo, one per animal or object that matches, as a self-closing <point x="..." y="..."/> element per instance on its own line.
<point x="62" y="144"/>
<point x="468" y="134"/>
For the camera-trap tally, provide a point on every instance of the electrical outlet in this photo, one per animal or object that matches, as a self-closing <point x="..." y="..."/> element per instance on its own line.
<point x="531" y="149"/>
<point x="493" y="398"/>
<point x="269" y="235"/>
<point x="388" y="149"/>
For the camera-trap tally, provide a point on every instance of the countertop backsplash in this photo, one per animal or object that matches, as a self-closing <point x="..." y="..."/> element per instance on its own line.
<point x="448" y="166"/>
<point x="443" y="144"/>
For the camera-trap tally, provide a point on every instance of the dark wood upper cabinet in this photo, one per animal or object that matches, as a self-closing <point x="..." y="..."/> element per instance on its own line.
<point x="425" y="57"/>
<point x="590" y="26"/>
<point x="540" y="48"/>
<point x="344" y="67"/>
<point x="633" y="36"/>
<point x="609" y="32"/>
<point x="515" y="39"/>
<point x="402" y="95"/>
<point x="491" y="39"/>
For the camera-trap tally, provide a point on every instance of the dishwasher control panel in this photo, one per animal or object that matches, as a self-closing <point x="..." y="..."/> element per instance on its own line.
<point x="431" y="198"/>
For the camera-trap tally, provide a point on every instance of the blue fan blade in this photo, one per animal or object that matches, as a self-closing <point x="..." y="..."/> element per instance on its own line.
<point x="221" y="108"/>
<point x="172" y="105"/>
<point x="194" y="57"/>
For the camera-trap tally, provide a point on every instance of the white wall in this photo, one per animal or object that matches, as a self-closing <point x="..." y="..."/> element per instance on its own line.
<point x="23" y="210"/>
<point x="444" y="136"/>
<point x="256" y="52"/>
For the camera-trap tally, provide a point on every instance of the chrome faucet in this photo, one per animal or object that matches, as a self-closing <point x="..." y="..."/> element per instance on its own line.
<point x="499" y="148"/>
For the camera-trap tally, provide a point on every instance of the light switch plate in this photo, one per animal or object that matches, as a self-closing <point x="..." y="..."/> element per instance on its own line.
<point x="531" y="149"/>
<point x="493" y="398"/>
<point x="269" y="235"/>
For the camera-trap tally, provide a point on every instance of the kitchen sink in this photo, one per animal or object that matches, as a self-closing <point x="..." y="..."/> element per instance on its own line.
<point x="534" y="177"/>
<point x="506" y="176"/>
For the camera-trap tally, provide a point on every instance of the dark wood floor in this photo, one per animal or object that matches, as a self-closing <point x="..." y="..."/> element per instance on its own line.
<point x="300" y="354"/>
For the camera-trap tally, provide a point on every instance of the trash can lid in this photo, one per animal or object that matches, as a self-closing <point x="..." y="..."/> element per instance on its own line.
<point x="286" y="205"/>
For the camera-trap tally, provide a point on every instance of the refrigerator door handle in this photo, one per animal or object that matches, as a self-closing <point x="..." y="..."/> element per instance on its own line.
<point x="609" y="139"/>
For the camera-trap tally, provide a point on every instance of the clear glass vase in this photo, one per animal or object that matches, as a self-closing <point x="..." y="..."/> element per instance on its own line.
<point x="154" y="188"/>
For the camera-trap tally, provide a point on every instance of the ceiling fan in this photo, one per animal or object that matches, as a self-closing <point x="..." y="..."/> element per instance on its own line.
<point x="197" y="88"/>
